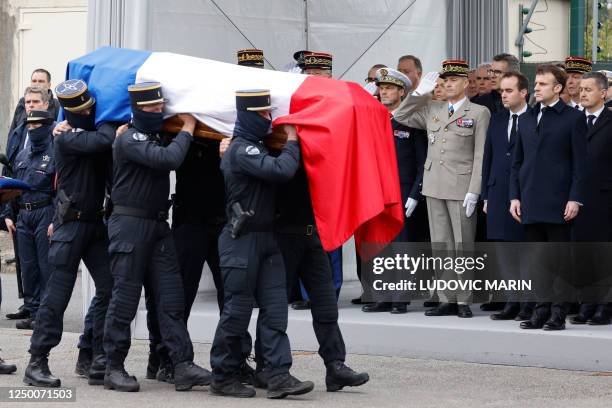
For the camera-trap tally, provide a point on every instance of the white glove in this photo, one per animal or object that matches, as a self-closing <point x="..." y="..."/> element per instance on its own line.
<point x="469" y="203"/>
<point x="411" y="204"/>
<point x="427" y="84"/>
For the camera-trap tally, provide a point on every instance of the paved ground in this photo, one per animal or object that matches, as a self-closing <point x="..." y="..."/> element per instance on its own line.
<point x="396" y="382"/>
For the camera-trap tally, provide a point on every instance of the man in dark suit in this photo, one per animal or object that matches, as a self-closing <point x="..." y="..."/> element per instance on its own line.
<point x="594" y="224"/>
<point x="547" y="177"/>
<point x="497" y="161"/>
<point x="501" y="64"/>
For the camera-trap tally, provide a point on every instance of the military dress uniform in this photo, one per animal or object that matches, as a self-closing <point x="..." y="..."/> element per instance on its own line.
<point x="82" y="157"/>
<point x="251" y="263"/>
<point x="141" y="245"/>
<point x="453" y="166"/>
<point x="35" y="166"/>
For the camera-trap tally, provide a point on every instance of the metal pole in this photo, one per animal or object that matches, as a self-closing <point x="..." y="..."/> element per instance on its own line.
<point x="519" y="38"/>
<point x="595" y="31"/>
<point x="306" y="28"/>
<point x="520" y="19"/>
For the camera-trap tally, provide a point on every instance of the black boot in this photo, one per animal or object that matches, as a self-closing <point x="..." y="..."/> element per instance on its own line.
<point x="20" y="314"/>
<point x="84" y="362"/>
<point x="166" y="369"/>
<point x="7" y="368"/>
<point x="152" y="365"/>
<point x="97" y="369"/>
<point x="232" y="388"/>
<point x="283" y="385"/>
<point x="37" y="373"/>
<point x="247" y="374"/>
<point x="27" y="324"/>
<point x="116" y="378"/>
<point x="189" y="374"/>
<point x="339" y="375"/>
<point x="261" y="379"/>
<point x="301" y="305"/>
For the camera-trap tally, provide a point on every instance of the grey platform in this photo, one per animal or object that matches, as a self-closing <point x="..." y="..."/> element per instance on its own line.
<point x="479" y="339"/>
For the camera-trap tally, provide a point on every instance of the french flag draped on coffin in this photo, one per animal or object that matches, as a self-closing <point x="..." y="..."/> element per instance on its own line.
<point x="345" y="134"/>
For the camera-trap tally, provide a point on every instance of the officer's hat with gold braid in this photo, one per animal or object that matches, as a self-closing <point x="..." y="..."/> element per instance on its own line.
<point x="253" y="100"/>
<point x="145" y="93"/>
<point x="73" y="95"/>
<point x="251" y="58"/>
<point x="578" y="65"/>
<point x="39" y="116"/>
<point x="393" y="77"/>
<point x="454" y="68"/>
<point x="319" y="60"/>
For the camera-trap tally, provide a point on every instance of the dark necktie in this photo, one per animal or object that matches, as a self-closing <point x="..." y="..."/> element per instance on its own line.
<point x="542" y="112"/>
<point x="513" y="130"/>
<point x="590" y="120"/>
<point x="451" y="110"/>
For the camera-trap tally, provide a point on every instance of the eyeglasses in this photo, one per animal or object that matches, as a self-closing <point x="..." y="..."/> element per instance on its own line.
<point x="368" y="80"/>
<point x="495" y="72"/>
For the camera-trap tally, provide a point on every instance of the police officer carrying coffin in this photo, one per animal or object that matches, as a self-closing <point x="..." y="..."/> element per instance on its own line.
<point x="141" y="245"/>
<point x="82" y="157"/>
<point x="35" y="166"/>
<point x="251" y="263"/>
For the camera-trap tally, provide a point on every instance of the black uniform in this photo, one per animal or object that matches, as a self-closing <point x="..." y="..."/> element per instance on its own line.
<point x="252" y="265"/>
<point x="141" y="245"/>
<point x="306" y="259"/>
<point x="198" y="215"/>
<point x="82" y="159"/>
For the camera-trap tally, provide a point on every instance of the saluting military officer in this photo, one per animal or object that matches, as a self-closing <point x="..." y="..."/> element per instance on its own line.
<point x="82" y="159"/>
<point x="141" y="245"/>
<point x="452" y="178"/>
<point x="251" y="263"/>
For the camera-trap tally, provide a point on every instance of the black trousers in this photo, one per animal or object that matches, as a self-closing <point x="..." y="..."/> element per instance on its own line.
<point x="545" y="232"/>
<point x="306" y="259"/>
<point x="70" y="243"/>
<point x="197" y="244"/>
<point x="253" y="270"/>
<point x="142" y="252"/>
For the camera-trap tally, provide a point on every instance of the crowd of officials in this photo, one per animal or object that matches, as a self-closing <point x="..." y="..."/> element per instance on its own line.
<point x="482" y="155"/>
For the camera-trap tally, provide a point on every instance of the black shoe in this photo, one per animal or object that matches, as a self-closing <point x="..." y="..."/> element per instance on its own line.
<point x="339" y="375"/>
<point x="261" y="379"/>
<point x="554" y="324"/>
<point x="247" y="374"/>
<point x="7" y="368"/>
<point x="599" y="319"/>
<point x="188" y="374"/>
<point x="532" y="324"/>
<point x="506" y="314"/>
<point x="301" y="305"/>
<point x="573" y="308"/>
<point x="116" y="378"/>
<point x="357" y="301"/>
<point x="492" y="306"/>
<point x="97" y="369"/>
<point x="523" y="315"/>
<point x="232" y="388"/>
<point x="283" y="385"/>
<point x="376" y="307"/>
<point x="399" y="308"/>
<point x="84" y="362"/>
<point x="431" y="303"/>
<point x="444" y="309"/>
<point x="152" y="365"/>
<point x="578" y="319"/>
<point x="464" y="311"/>
<point x="165" y="374"/>
<point x="20" y="314"/>
<point x="38" y="374"/>
<point x="27" y="324"/>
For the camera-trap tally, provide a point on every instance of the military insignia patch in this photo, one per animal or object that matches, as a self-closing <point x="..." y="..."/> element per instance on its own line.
<point x="432" y="138"/>
<point x="252" y="150"/>
<point x="139" y="137"/>
<point x="401" y="134"/>
<point x="465" y="123"/>
<point x="45" y="158"/>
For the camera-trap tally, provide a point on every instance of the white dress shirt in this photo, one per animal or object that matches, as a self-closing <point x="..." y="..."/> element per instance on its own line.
<point x="456" y="105"/>
<point x="519" y="113"/>
<point x="596" y="114"/>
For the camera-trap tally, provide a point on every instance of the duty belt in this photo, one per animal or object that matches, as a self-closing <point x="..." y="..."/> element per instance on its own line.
<point x="140" y="212"/>
<point x="297" y="229"/>
<point x="36" y="204"/>
<point x="72" y="214"/>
